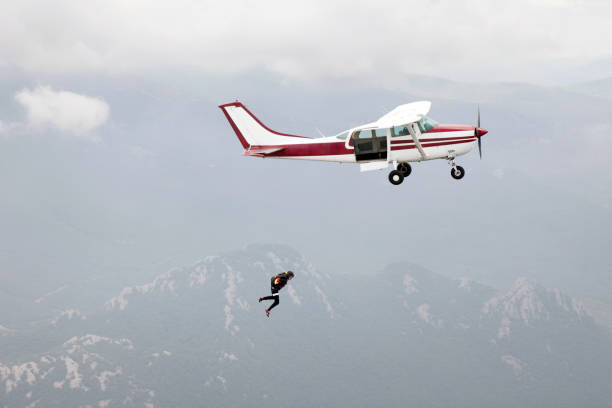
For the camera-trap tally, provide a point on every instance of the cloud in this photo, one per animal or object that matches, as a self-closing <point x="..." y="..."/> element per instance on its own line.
<point x="66" y="111"/>
<point x="307" y="39"/>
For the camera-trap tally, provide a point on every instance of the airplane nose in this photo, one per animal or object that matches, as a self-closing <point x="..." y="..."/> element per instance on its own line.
<point x="481" y="132"/>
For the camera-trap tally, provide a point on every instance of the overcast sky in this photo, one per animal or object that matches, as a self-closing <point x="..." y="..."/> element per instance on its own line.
<point x="462" y="40"/>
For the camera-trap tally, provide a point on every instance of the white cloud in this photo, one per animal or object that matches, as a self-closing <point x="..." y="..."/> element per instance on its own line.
<point x="67" y="111"/>
<point x="308" y="39"/>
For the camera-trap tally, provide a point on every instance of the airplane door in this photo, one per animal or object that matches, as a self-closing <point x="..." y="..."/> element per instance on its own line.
<point x="370" y="144"/>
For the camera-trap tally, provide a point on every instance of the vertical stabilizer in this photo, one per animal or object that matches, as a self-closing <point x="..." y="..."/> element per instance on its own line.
<point x="250" y="130"/>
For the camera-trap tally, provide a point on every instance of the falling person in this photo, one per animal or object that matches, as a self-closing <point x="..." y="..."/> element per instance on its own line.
<point x="277" y="282"/>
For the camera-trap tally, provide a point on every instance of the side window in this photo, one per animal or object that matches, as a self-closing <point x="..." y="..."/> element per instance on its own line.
<point x="363" y="134"/>
<point x="400" y="131"/>
<point x="381" y="132"/>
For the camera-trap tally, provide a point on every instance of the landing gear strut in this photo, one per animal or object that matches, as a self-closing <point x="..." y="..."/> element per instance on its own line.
<point x="457" y="172"/>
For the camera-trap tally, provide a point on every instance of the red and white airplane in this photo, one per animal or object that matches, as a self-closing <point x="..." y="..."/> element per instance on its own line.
<point x="401" y="136"/>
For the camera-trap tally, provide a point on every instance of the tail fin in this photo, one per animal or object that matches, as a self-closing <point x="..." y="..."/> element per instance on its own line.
<point x="250" y="130"/>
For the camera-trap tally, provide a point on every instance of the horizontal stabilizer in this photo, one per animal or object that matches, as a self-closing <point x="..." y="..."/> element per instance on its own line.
<point x="262" y="151"/>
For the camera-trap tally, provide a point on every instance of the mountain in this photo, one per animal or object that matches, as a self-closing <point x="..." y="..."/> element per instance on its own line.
<point x="83" y="370"/>
<point x="196" y="336"/>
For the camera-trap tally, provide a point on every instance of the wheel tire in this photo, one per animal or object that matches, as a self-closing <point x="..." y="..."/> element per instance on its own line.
<point x="459" y="174"/>
<point x="404" y="168"/>
<point x="396" y="177"/>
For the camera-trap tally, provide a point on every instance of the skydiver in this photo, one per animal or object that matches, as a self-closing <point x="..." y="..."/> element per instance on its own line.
<point x="277" y="282"/>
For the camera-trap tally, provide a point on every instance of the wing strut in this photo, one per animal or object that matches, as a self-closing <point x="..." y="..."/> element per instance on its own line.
<point x="415" y="132"/>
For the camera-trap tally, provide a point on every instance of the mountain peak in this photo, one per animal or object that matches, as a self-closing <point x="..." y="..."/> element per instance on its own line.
<point x="527" y="301"/>
<point x="229" y="283"/>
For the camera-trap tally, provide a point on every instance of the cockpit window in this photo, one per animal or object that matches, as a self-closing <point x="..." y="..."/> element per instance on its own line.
<point x="426" y="124"/>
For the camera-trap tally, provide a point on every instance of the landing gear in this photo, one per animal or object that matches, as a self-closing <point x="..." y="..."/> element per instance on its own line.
<point x="457" y="172"/>
<point x="404" y="168"/>
<point x="396" y="177"/>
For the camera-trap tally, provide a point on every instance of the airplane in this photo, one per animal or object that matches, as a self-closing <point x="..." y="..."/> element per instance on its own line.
<point x="402" y="136"/>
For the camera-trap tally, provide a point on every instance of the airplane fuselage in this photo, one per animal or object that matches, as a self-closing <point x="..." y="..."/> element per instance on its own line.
<point x="436" y="144"/>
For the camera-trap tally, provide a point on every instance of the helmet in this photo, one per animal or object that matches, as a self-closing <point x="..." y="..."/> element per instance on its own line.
<point x="291" y="274"/>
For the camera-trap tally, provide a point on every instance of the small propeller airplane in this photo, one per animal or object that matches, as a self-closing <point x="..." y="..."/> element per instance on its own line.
<point x="401" y="136"/>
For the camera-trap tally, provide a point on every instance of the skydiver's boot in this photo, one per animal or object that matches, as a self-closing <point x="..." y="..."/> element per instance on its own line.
<point x="260" y="299"/>
<point x="268" y="312"/>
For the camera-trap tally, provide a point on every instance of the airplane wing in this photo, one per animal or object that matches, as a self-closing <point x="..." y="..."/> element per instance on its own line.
<point x="262" y="151"/>
<point x="403" y="114"/>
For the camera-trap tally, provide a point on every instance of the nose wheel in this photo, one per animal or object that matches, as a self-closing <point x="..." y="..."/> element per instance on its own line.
<point x="457" y="172"/>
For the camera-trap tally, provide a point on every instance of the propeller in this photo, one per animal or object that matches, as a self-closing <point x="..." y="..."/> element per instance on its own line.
<point x="478" y="134"/>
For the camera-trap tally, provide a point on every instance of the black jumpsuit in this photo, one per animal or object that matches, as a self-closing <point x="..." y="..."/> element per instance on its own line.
<point x="277" y="282"/>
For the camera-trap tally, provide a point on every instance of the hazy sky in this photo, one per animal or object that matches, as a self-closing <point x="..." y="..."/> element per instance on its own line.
<point x="108" y="112"/>
<point x="466" y="39"/>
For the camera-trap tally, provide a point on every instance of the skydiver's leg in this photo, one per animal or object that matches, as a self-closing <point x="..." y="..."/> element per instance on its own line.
<point x="268" y="297"/>
<point x="276" y="301"/>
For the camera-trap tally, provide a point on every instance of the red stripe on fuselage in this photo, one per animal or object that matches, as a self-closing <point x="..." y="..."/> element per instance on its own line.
<point x="311" y="149"/>
<point x="439" y="139"/>
<point x="450" y="128"/>
<point x="395" y="148"/>
<point x="338" y="148"/>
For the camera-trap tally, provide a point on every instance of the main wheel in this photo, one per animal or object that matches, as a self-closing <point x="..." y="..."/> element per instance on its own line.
<point x="404" y="168"/>
<point x="395" y="177"/>
<point x="458" y="173"/>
